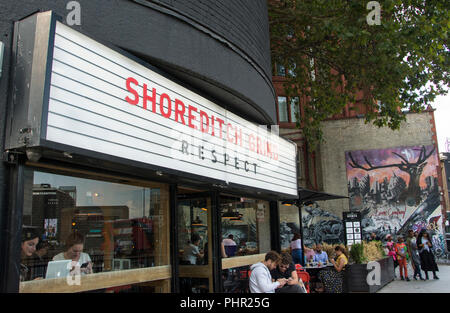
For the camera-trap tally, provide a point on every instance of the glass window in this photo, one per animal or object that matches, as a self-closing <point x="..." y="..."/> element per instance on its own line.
<point x="292" y="69"/>
<point x="295" y="109"/>
<point x="195" y="254"/>
<point x="248" y="223"/>
<point x="283" y="109"/>
<point x="289" y="225"/>
<point x="95" y="226"/>
<point x="281" y="70"/>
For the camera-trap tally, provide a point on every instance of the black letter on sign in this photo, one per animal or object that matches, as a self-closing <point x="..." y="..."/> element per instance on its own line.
<point x="225" y="158"/>
<point x="214" y="156"/>
<point x="200" y="152"/>
<point x="255" y="167"/>
<point x="246" y="163"/>
<point x="184" y="147"/>
<point x="236" y="163"/>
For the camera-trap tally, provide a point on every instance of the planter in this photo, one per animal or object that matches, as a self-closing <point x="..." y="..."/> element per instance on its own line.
<point x="356" y="276"/>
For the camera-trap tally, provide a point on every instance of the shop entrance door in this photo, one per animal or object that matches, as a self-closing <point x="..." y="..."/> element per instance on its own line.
<point x="194" y="241"/>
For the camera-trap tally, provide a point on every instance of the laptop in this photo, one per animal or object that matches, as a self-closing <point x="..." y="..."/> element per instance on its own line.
<point x="57" y="269"/>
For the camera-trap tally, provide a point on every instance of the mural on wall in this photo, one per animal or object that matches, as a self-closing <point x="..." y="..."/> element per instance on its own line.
<point x="320" y="226"/>
<point x="395" y="190"/>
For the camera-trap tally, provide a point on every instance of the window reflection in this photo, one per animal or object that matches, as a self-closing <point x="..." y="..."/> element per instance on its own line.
<point x="245" y="224"/>
<point x="100" y="226"/>
<point x="289" y="225"/>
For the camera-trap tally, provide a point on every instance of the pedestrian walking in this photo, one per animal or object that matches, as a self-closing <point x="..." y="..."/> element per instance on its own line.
<point x="411" y="243"/>
<point x="427" y="260"/>
<point x="401" y="251"/>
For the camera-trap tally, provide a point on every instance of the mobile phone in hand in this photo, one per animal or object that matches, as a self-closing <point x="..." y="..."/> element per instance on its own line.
<point x="84" y="265"/>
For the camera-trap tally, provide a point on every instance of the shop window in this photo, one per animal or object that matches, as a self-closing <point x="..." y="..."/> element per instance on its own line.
<point x="248" y="221"/>
<point x="289" y="225"/>
<point x="88" y="227"/>
<point x="246" y="239"/>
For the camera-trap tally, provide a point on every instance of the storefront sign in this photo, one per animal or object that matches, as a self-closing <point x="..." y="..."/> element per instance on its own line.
<point x="102" y="101"/>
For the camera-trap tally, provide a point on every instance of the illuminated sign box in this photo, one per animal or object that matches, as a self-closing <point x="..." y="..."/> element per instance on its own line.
<point x="86" y="95"/>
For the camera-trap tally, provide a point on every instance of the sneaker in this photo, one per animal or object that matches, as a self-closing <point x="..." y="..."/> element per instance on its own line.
<point x="415" y="278"/>
<point x="435" y="277"/>
<point x="407" y="279"/>
<point x="421" y="278"/>
<point x="401" y="277"/>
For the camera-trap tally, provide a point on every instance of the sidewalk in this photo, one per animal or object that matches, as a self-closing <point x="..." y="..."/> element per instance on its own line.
<point x="441" y="285"/>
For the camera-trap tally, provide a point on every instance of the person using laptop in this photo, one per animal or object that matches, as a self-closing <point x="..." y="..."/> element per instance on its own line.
<point x="74" y="251"/>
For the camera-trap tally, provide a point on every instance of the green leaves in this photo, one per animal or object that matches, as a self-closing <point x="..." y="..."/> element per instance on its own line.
<point x="392" y="62"/>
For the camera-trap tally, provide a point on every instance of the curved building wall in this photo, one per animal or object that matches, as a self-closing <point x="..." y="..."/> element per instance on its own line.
<point x="220" y="48"/>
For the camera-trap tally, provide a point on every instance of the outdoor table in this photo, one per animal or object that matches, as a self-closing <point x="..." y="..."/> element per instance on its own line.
<point x="313" y="271"/>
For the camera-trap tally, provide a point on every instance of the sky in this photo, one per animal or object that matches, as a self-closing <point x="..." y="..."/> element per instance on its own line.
<point x="442" y="119"/>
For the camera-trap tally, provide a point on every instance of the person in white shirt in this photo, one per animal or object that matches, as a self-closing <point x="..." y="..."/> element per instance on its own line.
<point x="260" y="277"/>
<point x="191" y="251"/>
<point x="296" y="248"/>
<point x="74" y="251"/>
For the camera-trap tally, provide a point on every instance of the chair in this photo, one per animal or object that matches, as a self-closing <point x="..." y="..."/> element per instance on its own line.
<point x="304" y="276"/>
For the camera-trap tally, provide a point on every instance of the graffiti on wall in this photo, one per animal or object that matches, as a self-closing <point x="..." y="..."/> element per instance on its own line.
<point x="320" y="226"/>
<point x="396" y="190"/>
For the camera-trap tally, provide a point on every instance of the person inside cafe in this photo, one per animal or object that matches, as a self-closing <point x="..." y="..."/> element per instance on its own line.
<point x="41" y="258"/>
<point x="260" y="278"/>
<point x="320" y="256"/>
<point x="230" y="246"/>
<point x="30" y="239"/>
<point x="192" y="254"/>
<point x="286" y="269"/>
<point x="74" y="245"/>
<point x="333" y="278"/>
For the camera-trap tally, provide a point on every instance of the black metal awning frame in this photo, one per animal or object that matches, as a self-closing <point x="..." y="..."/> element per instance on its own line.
<point x="307" y="196"/>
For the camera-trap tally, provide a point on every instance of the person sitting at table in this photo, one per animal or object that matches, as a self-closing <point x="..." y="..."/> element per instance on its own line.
<point x="30" y="239"/>
<point x="192" y="253"/>
<point x="260" y="279"/>
<point x="230" y="246"/>
<point x="320" y="256"/>
<point x="74" y="251"/>
<point x="309" y="254"/>
<point x="333" y="278"/>
<point x="286" y="269"/>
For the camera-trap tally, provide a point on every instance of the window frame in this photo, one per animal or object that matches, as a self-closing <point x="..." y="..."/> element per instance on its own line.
<point x="156" y="276"/>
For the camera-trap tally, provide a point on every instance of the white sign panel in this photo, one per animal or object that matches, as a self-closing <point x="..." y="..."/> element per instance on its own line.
<point x="102" y="101"/>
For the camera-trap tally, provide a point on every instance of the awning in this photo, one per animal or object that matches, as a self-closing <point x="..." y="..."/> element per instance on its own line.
<point x="307" y="195"/>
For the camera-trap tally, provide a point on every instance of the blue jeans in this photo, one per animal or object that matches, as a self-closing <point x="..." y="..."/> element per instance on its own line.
<point x="297" y="256"/>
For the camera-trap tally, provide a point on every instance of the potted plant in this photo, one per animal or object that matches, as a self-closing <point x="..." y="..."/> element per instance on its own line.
<point x="357" y="271"/>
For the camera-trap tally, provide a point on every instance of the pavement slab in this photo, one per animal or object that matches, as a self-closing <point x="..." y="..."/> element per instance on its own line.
<point x="442" y="285"/>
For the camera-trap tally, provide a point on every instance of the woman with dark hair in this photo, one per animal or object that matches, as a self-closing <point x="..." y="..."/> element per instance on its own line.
<point x="427" y="260"/>
<point x="296" y="248"/>
<point x="30" y="239"/>
<point x="333" y="278"/>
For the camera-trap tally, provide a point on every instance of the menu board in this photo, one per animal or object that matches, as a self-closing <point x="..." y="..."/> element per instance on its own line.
<point x="352" y="225"/>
